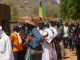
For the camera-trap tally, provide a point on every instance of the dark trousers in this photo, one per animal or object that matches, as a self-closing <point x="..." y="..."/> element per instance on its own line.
<point x="59" y="53"/>
<point x="65" y="42"/>
<point x="58" y="47"/>
<point x="19" y="55"/>
<point x="36" y="57"/>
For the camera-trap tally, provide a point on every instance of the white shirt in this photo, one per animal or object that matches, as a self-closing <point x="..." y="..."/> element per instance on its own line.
<point x="66" y="30"/>
<point x="5" y="48"/>
<point x="55" y="32"/>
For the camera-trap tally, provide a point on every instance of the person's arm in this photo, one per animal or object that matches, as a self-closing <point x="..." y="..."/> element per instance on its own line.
<point x="55" y="32"/>
<point x="8" y="47"/>
<point x="11" y="38"/>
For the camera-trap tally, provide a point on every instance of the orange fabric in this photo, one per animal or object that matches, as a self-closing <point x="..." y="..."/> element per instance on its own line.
<point x="16" y="46"/>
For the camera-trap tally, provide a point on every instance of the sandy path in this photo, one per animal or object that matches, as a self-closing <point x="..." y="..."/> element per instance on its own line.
<point x="70" y="55"/>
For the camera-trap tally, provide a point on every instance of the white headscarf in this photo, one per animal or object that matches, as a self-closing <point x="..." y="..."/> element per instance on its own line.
<point x="19" y="38"/>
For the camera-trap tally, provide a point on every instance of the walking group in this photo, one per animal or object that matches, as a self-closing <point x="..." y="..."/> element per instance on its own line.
<point x="40" y="39"/>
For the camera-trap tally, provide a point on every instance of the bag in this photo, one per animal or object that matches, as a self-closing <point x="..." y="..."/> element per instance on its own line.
<point x="37" y="50"/>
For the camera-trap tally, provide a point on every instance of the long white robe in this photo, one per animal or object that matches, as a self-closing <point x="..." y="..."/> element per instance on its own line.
<point x="46" y="46"/>
<point x="5" y="48"/>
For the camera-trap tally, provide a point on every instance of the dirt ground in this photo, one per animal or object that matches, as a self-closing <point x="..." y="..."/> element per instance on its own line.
<point x="70" y="55"/>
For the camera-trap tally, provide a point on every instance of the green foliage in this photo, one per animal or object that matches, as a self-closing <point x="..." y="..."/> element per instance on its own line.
<point x="63" y="8"/>
<point x="70" y="9"/>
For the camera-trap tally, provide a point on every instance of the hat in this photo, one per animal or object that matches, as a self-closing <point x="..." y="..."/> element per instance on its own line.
<point x="31" y="22"/>
<point x="16" y="28"/>
<point x="23" y="18"/>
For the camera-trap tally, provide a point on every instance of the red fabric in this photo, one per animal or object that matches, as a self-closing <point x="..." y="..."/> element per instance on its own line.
<point x="29" y="38"/>
<point x="22" y="36"/>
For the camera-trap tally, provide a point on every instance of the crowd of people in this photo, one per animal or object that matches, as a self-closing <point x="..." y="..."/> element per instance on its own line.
<point x="40" y="40"/>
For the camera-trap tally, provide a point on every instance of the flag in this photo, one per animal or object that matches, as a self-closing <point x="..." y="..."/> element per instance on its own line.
<point x="42" y="11"/>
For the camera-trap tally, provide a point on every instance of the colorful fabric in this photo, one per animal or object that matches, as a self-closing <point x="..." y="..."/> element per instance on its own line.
<point x="16" y="46"/>
<point x="19" y="38"/>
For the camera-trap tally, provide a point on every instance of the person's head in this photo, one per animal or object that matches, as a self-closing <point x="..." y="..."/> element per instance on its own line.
<point x="66" y="24"/>
<point x="52" y="23"/>
<point x="41" y="25"/>
<point x="22" y="26"/>
<point x="58" y="24"/>
<point x="16" y="29"/>
<point x="46" y="24"/>
<point x="30" y="24"/>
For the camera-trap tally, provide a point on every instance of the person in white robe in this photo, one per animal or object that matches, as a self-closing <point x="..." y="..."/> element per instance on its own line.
<point x="49" y="50"/>
<point x="5" y="46"/>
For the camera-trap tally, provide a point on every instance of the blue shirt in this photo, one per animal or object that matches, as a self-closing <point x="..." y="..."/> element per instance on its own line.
<point x="36" y="38"/>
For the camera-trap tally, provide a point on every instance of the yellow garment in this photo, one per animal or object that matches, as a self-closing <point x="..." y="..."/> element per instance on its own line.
<point x="16" y="46"/>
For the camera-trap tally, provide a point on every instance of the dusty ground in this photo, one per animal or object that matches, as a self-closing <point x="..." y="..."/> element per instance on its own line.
<point x="70" y="55"/>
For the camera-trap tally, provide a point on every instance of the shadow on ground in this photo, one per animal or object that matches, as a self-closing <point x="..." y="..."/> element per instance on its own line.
<point x="66" y="57"/>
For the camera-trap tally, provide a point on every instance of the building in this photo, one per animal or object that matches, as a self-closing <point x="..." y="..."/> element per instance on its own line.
<point x="5" y="16"/>
<point x="10" y="8"/>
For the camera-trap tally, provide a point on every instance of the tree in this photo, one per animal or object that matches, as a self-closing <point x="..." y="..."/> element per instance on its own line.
<point x="70" y="9"/>
<point x="63" y="8"/>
